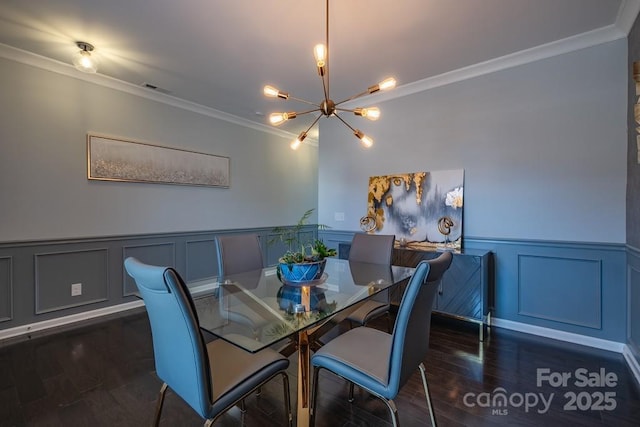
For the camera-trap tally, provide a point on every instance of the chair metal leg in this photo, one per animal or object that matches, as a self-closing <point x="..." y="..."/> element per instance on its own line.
<point x="208" y="423"/>
<point x="243" y="407"/>
<point x="427" y="394"/>
<point x="287" y="399"/>
<point x="394" y="411"/>
<point x="351" y="398"/>
<point x="163" y="390"/>
<point x="314" y="397"/>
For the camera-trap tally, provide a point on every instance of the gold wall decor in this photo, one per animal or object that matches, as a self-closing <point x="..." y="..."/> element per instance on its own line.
<point x="422" y="209"/>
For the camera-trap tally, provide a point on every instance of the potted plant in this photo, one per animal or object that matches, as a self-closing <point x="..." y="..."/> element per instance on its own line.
<point x="301" y="263"/>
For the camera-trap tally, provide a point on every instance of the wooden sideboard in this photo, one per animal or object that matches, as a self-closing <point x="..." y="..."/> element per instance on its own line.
<point x="466" y="289"/>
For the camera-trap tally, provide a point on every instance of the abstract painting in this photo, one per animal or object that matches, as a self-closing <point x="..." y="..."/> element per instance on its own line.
<point x="115" y="159"/>
<point x="422" y="209"/>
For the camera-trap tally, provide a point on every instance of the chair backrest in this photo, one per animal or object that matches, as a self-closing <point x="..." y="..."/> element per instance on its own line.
<point x="373" y="248"/>
<point x="364" y="273"/>
<point x="238" y="253"/>
<point x="413" y="322"/>
<point x="178" y="346"/>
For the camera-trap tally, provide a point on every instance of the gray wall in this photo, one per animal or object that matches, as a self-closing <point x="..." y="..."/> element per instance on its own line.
<point x="543" y="147"/>
<point x="45" y="194"/>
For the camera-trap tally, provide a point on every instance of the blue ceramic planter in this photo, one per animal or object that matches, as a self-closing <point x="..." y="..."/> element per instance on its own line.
<point x="301" y="273"/>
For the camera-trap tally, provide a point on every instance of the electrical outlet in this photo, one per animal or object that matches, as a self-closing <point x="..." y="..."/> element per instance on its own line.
<point x="76" y="289"/>
<point x="338" y="216"/>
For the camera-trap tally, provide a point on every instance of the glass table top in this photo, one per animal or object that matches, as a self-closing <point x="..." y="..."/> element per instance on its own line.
<point x="254" y="310"/>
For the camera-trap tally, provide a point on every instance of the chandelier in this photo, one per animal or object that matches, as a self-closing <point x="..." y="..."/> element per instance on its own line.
<point x="327" y="107"/>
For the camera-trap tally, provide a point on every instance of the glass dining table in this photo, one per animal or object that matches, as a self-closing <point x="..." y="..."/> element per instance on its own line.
<point x="255" y="310"/>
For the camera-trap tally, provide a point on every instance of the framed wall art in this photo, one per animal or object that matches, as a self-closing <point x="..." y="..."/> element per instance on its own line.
<point x="422" y="209"/>
<point x="117" y="159"/>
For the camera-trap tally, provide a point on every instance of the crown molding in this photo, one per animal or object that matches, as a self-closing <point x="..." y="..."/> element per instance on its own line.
<point x="627" y="15"/>
<point x="48" y="64"/>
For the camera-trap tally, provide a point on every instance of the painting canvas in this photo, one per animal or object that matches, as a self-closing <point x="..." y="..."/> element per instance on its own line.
<point x="422" y="209"/>
<point x="114" y="159"/>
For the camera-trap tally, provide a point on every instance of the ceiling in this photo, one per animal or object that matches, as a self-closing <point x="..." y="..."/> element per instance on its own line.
<point x="220" y="53"/>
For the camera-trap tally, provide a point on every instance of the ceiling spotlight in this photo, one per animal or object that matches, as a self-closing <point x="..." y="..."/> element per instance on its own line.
<point x="83" y="60"/>
<point x="327" y="107"/>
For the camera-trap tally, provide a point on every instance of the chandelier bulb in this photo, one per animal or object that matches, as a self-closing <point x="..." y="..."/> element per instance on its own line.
<point x="277" y="119"/>
<point x="320" y="54"/>
<point x="272" y="92"/>
<point x="364" y="139"/>
<point x="386" y="84"/>
<point x="296" y="143"/>
<point x="371" y="113"/>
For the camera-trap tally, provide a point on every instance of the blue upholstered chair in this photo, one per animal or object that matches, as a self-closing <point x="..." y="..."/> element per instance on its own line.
<point x="380" y="362"/>
<point x="374" y="249"/>
<point x="211" y="377"/>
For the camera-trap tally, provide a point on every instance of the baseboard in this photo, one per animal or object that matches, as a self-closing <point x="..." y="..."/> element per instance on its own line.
<point x="632" y="362"/>
<point x="559" y="335"/>
<point x="66" y="320"/>
<point x="197" y="288"/>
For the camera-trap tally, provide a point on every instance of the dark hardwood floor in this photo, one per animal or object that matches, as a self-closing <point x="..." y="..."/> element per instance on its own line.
<point x="102" y="374"/>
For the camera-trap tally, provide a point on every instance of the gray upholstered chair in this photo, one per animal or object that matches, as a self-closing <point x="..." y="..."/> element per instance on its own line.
<point x="382" y="363"/>
<point x="237" y="254"/>
<point x="211" y="377"/>
<point x="374" y="249"/>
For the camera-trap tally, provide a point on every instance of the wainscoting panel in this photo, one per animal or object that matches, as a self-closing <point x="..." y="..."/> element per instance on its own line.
<point x="202" y="262"/>
<point x="273" y="248"/>
<point x="522" y="294"/>
<point x="56" y="272"/>
<point x="548" y="288"/>
<point x="575" y="287"/>
<point x="6" y="286"/>
<point x="36" y="276"/>
<point x="568" y="286"/>
<point x="155" y="254"/>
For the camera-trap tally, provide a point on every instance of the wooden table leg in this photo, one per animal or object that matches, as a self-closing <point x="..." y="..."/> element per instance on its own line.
<point x="304" y="380"/>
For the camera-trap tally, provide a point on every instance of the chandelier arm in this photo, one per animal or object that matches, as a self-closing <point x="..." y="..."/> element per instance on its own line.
<point x="326" y="92"/>
<point x="345" y="123"/>
<point x="307" y="111"/>
<point x="304" y="101"/>
<point x="313" y="124"/>
<point x="348" y="110"/>
<point x="353" y="97"/>
<point x="325" y="87"/>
